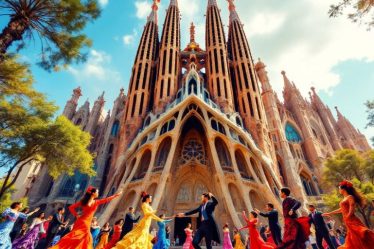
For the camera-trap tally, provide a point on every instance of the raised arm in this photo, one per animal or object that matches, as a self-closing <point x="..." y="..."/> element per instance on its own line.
<point x="72" y="209"/>
<point x="192" y="212"/>
<point x="264" y="214"/>
<point x="148" y="211"/>
<point x="106" y="200"/>
<point x="245" y="217"/>
<point x="214" y="200"/>
<point x="337" y="211"/>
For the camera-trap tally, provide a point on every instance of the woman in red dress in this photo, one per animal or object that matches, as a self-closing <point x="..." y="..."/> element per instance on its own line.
<point x="256" y="242"/>
<point x="80" y="237"/>
<point x="358" y="236"/>
<point x="117" y="229"/>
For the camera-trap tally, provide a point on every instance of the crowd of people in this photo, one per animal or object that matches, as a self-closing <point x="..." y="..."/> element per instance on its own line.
<point x="317" y="230"/>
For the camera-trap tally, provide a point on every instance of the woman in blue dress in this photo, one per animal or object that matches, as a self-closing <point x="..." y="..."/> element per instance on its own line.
<point x="9" y="216"/>
<point x="95" y="231"/>
<point x="162" y="241"/>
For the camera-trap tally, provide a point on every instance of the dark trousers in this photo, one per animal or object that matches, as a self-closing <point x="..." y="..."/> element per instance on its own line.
<point x="276" y="234"/>
<point x="124" y="232"/>
<point x="324" y="236"/>
<point x="203" y="232"/>
<point x="49" y="239"/>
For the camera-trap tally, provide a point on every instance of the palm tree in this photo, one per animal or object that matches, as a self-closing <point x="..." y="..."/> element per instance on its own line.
<point x="58" y="24"/>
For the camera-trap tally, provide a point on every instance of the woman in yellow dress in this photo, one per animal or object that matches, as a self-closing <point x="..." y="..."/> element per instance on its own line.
<point x="139" y="237"/>
<point x="104" y="236"/>
<point x="238" y="241"/>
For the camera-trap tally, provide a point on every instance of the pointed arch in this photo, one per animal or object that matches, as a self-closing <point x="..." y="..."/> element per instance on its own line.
<point x="143" y="165"/>
<point x="223" y="154"/>
<point x="256" y="169"/>
<point x="162" y="154"/>
<point x="242" y="165"/>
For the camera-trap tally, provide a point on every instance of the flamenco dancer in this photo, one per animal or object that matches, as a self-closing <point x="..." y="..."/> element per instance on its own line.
<point x="31" y="238"/>
<point x="226" y="237"/>
<point x="256" y="241"/>
<point x="80" y="237"/>
<point x="208" y="228"/>
<point x="238" y="240"/>
<point x="139" y="237"/>
<point x="104" y="236"/>
<point x="10" y="216"/>
<point x="117" y="230"/>
<point x="272" y="215"/>
<point x="162" y="241"/>
<point x="358" y="236"/>
<point x="296" y="230"/>
<point x="188" y="243"/>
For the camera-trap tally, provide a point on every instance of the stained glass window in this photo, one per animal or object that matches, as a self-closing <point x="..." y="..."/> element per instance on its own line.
<point x="292" y="135"/>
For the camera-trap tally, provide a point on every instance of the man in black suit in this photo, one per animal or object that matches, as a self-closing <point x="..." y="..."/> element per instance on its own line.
<point x="207" y="228"/>
<point x="129" y="222"/>
<point x="54" y="225"/>
<point x="322" y="232"/>
<point x="272" y="215"/>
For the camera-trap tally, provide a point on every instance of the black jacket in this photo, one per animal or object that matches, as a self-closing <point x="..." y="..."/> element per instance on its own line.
<point x="55" y="223"/>
<point x="129" y="223"/>
<point x="273" y="218"/>
<point x="209" y="209"/>
<point x="318" y="222"/>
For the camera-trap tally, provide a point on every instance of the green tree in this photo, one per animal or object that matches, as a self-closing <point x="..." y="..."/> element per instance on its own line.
<point x="57" y="24"/>
<point x="350" y="165"/>
<point x="29" y="131"/>
<point x="362" y="11"/>
<point x="370" y="112"/>
<point x="6" y="200"/>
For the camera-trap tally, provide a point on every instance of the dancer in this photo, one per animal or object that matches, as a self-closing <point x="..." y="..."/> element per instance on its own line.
<point x="272" y="215"/>
<point x="226" y="237"/>
<point x="54" y="225"/>
<point x="238" y="240"/>
<point x="208" y="228"/>
<point x="296" y="230"/>
<point x="358" y="236"/>
<point x="162" y="241"/>
<point x="31" y="238"/>
<point x="117" y="229"/>
<point x="9" y="216"/>
<point x="139" y="237"/>
<point x="188" y="243"/>
<point x="80" y="236"/>
<point x="104" y="236"/>
<point x="322" y="232"/>
<point x="256" y="241"/>
<point x="95" y="230"/>
<point x="130" y="219"/>
<point x="20" y="226"/>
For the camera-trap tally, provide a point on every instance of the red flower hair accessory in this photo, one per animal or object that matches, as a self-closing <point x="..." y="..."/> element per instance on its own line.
<point x="346" y="183"/>
<point x="144" y="194"/>
<point x="89" y="189"/>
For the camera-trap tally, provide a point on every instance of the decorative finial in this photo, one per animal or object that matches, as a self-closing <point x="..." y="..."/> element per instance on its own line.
<point x="313" y="89"/>
<point x="153" y="16"/>
<point x="231" y="5"/>
<point x="283" y="73"/>
<point x="192" y="32"/>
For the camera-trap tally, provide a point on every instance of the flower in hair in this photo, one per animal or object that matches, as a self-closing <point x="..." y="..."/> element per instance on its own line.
<point x="346" y="183"/>
<point x="89" y="189"/>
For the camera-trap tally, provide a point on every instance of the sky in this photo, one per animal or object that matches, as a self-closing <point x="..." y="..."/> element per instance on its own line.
<point x="333" y="55"/>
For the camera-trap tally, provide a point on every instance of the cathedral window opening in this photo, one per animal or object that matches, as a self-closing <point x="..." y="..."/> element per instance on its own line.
<point x="222" y="62"/>
<point x="115" y="129"/>
<point x="256" y="169"/>
<point x="245" y="76"/>
<point x="169" y="86"/>
<point x="291" y="134"/>
<point x="216" y="60"/>
<point x="223" y="155"/>
<point x="141" y="107"/>
<point x="241" y="140"/>
<point x="78" y="122"/>
<point x="138" y="76"/>
<point x="73" y="184"/>
<point x="144" y="140"/>
<point x="164" y="63"/>
<point x="218" y="87"/>
<point x="307" y="186"/>
<point x="145" y="75"/>
<point x="250" y="104"/>
<point x="214" y="125"/>
<point x="162" y="154"/>
<point x="133" y="106"/>
<point x="258" y="108"/>
<point x="244" y="106"/>
<point x="252" y="79"/>
<point x="192" y="86"/>
<point x="225" y="88"/>
<point x="242" y="166"/>
<point x="110" y="150"/>
<point x="192" y="152"/>
<point x="171" y="61"/>
<point x="143" y="166"/>
<point x="164" y="129"/>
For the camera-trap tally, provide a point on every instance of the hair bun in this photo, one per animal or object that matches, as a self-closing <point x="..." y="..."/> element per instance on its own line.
<point x="143" y="194"/>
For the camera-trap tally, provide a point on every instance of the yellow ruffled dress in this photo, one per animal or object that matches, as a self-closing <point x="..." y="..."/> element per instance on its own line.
<point x="139" y="237"/>
<point x="238" y="242"/>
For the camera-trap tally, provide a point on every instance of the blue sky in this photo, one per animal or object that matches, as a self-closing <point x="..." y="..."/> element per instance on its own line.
<point x="333" y="55"/>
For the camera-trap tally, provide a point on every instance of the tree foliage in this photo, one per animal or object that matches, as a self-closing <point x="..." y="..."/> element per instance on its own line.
<point x="58" y="24"/>
<point x="29" y="131"/>
<point x="362" y="11"/>
<point x="6" y="200"/>
<point x="350" y="165"/>
<point x="370" y="118"/>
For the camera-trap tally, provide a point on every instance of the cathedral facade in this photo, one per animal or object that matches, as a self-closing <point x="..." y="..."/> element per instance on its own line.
<point x="198" y="120"/>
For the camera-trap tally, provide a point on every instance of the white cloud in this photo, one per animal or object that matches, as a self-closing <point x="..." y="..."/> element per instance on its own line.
<point x="103" y="2"/>
<point x="143" y="8"/>
<point x="129" y="39"/>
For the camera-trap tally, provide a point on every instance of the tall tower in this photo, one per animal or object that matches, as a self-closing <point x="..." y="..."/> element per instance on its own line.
<point x="72" y="104"/>
<point x="95" y="115"/>
<point x="249" y="102"/>
<point x="219" y="83"/>
<point x="141" y="83"/>
<point x="168" y="65"/>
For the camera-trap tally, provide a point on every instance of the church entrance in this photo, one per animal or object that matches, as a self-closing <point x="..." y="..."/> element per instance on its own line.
<point x="179" y="225"/>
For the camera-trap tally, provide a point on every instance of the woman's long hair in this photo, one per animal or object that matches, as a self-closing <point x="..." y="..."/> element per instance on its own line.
<point x="358" y="197"/>
<point x="87" y="196"/>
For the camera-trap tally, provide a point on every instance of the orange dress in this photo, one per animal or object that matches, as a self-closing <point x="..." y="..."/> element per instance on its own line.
<point x="358" y="236"/>
<point x="80" y="237"/>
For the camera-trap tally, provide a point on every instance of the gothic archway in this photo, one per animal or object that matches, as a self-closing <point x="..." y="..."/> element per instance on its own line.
<point x="143" y="165"/>
<point x="223" y="154"/>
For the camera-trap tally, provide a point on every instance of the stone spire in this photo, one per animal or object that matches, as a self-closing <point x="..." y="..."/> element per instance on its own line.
<point x="192" y="32"/>
<point x="218" y="79"/>
<point x="140" y="93"/>
<point x="287" y="83"/>
<point x="168" y="65"/>
<point x="263" y="75"/>
<point x="233" y="14"/>
<point x="71" y="105"/>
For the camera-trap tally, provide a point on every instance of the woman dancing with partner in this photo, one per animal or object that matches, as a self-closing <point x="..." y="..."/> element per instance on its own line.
<point x="162" y="241"/>
<point x="103" y="236"/>
<point x="188" y="243"/>
<point x="139" y="237"/>
<point x="117" y="230"/>
<point x="31" y="238"/>
<point x="80" y="237"/>
<point x="358" y="236"/>
<point x="256" y="242"/>
<point x="226" y="237"/>
<point x="238" y="240"/>
<point x="10" y="216"/>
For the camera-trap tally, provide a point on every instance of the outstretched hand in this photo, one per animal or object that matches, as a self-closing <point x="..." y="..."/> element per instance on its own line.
<point x="180" y="215"/>
<point x="257" y="211"/>
<point x="290" y="212"/>
<point x="119" y="192"/>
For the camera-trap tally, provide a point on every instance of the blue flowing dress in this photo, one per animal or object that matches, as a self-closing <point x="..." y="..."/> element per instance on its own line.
<point x="7" y="225"/>
<point x="162" y="241"/>
<point x="95" y="235"/>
